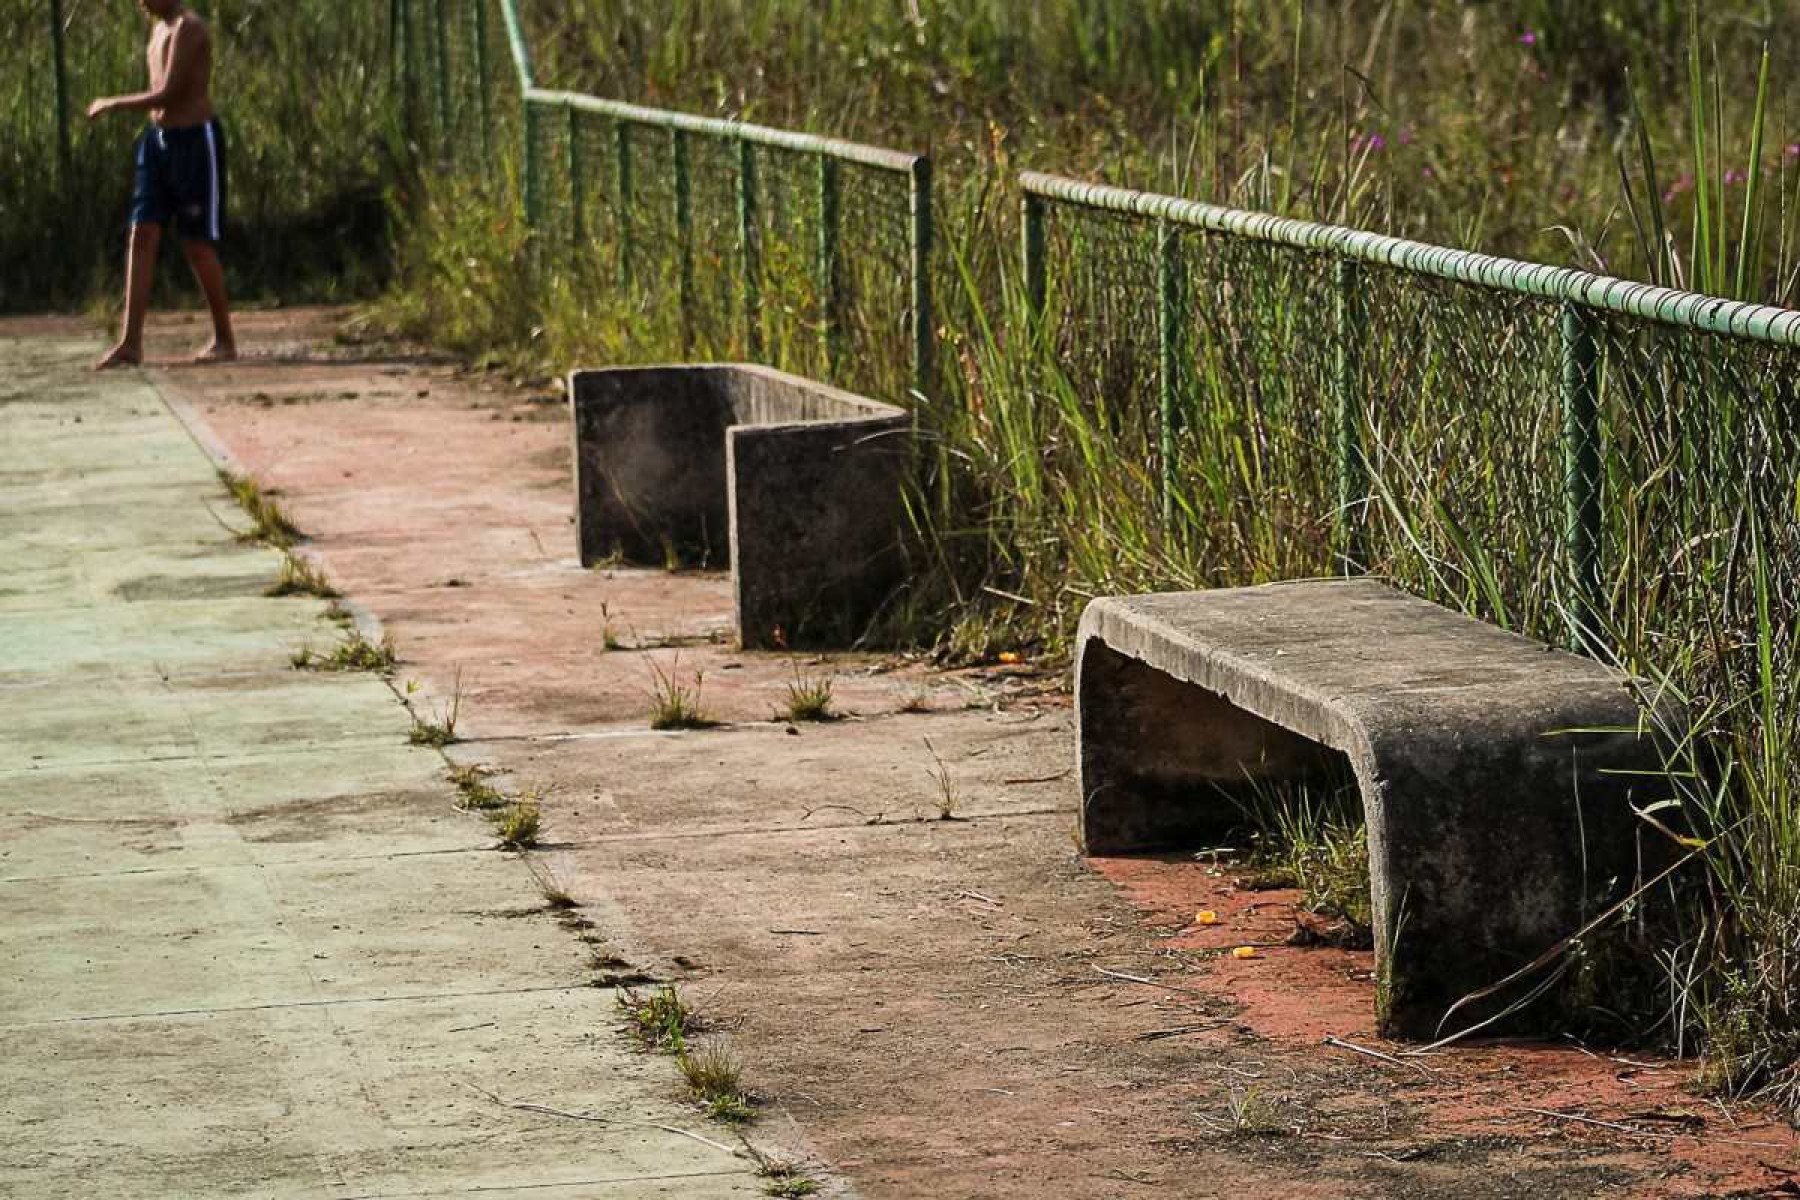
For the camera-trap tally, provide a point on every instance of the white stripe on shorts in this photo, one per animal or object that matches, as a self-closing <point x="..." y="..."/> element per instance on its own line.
<point x="212" y="202"/>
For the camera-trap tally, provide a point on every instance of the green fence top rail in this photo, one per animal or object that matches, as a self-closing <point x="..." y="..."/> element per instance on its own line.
<point x="762" y="135"/>
<point x="515" y="37"/>
<point x="1688" y="310"/>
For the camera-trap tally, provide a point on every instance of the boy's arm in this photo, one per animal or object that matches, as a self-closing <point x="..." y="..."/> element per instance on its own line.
<point x="184" y="58"/>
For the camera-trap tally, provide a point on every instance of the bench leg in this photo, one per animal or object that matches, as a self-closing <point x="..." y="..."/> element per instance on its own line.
<point x="1483" y="855"/>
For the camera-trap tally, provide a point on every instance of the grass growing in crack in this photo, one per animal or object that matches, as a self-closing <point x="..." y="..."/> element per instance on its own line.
<point x="355" y="653"/>
<point x="556" y="896"/>
<point x="1253" y="1115"/>
<point x="440" y="728"/>
<point x="714" y="1077"/>
<point x="675" y="705"/>
<point x="660" y="1020"/>
<point x="519" y="823"/>
<point x="609" y="638"/>
<point x="809" y="698"/>
<point x="474" y="792"/>
<point x="790" y="1185"/>
<point x="268" y="523"/>
<point x="948" y="798"/>
<point x="300" y="578"/>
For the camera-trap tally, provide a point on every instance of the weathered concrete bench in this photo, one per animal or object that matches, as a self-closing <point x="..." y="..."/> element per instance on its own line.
<point x="796" y="485"/>
<point x="1496" y="773"/>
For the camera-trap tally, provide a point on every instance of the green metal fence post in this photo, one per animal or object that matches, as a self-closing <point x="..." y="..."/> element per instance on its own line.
<point x="1171" y="323"/>
<point x="1352" y="462"/>
<point x="748" y="239"/>
<point x="482" y="83"/>
<point x="1031" y="221"/>
<point x="830" y="295"/>
<point x="924" y="328"/>
<point x="1581" y="473"/>
<point x="577" y="178"/>
<point x="622" y="185"/>
<point x="395" y="66"/>
<point x="441" y="65"/>
<point x="60" y="68"/>
<point x="684" y="236"/>
<point x="529" y="182"/>
<point x="409" y="75"/>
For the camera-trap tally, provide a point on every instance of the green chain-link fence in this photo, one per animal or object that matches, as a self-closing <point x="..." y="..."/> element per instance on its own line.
<point x="1477" y="428"/>
<point x="728" y="239"/>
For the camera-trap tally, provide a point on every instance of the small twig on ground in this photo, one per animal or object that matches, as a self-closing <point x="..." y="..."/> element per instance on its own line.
<point x="1341" y="1044"/>
<point x="799" y="932"/>
<point x="980" y="897"/>
<point x="575" y="1116"/>
<point x="1146" y="982"/>
<point x="1580" y="1120"/>
<point x="1062" y="774"/>
<point x="1141" y="1180"/>
<point x="1158" y="1034"/>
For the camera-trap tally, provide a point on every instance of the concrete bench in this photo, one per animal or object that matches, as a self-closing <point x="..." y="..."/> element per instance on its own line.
<point x="1495" y="773"/>
<point x="795" y="485"/>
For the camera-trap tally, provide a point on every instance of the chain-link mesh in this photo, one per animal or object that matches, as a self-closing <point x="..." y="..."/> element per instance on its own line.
<point x="1700" y="489"/>
<point x="1463" y="440"/>
<point x="1262" y="405"/>
<point x="1254" y="476"/>
<point x="456" y="83"/>
<point x="726" y="247"/>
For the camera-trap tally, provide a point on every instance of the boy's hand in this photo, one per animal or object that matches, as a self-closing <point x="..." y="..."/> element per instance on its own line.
<point x="101" y="107"/>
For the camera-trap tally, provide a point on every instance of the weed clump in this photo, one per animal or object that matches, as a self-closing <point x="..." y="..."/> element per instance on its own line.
<point x="474" y="792"/>
<point x="301" y="578"/>
<point x="518" y="824"/>
<point x="675" y="705"/>
<point x="660" y="1021"/>
<point x="439" y="729"/>
<point x="809" y="698"/>
<point x="714" y="1077"/>
<point x="355" y="653"/>
<point x="269" y="525"/>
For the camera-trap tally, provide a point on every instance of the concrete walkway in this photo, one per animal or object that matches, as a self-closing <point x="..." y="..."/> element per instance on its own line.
<point x="250" y="947"/>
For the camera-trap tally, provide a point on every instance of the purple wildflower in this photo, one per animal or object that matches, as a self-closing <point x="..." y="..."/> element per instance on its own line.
<point x="1528" y="38"/>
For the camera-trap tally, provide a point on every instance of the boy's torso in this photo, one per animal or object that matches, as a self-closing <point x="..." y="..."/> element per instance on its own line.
<point x="195" y="106"/>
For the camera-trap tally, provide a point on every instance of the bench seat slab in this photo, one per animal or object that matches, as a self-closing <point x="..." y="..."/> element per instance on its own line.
<point x="1497" y="774"/>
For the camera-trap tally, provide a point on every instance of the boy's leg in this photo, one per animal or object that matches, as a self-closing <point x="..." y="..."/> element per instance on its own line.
<point x="210" y="274"/>
<point x="140" y="273"/>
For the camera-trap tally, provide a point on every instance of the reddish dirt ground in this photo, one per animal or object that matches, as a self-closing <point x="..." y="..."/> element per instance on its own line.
<point x="930" y="1008"/>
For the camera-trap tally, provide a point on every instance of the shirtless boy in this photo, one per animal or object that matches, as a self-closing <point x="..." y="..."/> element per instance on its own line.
<point x="180" y="177"/>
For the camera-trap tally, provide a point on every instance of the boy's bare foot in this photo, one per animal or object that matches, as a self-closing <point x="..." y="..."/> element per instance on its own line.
<point x="120" y="355"/>
<point x="217" y="352"/>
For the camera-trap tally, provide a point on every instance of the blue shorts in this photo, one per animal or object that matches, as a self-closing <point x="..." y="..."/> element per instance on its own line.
<point x="181" y="180"/>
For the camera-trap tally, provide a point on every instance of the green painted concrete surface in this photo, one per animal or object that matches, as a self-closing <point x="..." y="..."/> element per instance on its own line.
<point x="251" y="949"/>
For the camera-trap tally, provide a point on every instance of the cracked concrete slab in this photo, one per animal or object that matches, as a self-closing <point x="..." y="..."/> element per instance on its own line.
<point x="254" y="948"/>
